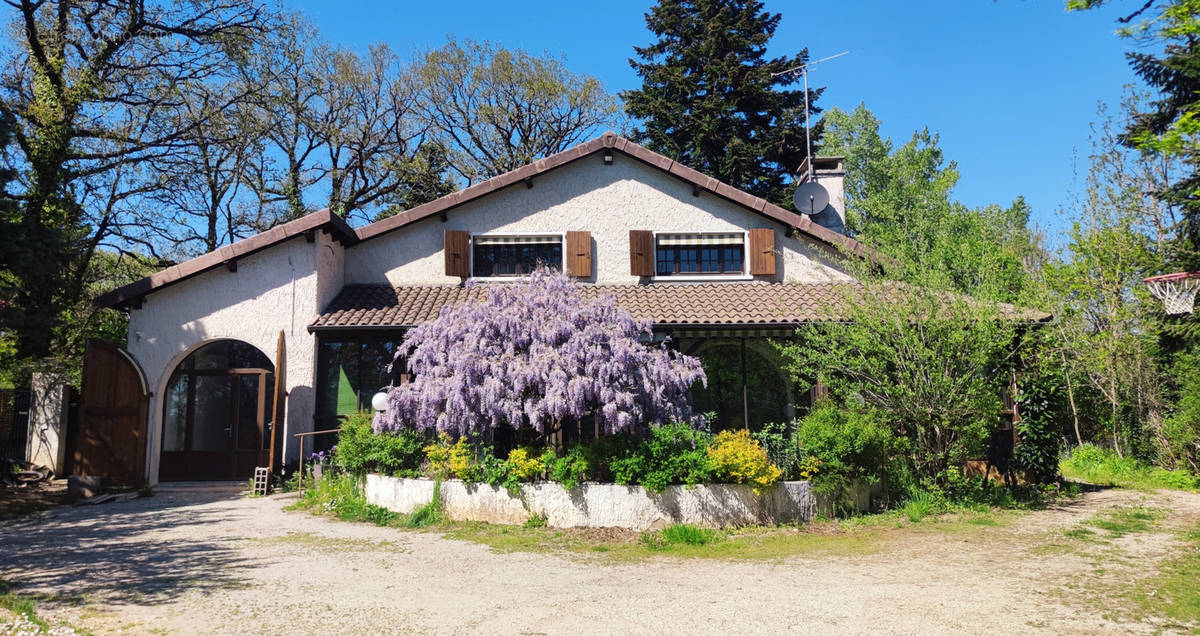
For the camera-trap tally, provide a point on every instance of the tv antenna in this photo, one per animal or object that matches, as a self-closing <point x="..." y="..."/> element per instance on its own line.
<point x="803" y="69"/>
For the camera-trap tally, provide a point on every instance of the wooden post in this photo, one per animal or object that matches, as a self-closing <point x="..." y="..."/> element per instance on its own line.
<point x="277" y="402"/>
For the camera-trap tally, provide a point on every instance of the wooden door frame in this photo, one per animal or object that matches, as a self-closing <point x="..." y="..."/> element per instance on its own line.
<point x="190" y="413"/>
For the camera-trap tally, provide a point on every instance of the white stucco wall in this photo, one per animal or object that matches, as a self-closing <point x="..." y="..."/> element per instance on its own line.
<point x="280" y="288"/>
<point x="608" y="201"/>
<point x="594" y="505"/>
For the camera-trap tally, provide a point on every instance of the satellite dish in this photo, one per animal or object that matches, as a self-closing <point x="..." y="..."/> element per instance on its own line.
<point x="810" y="198"/>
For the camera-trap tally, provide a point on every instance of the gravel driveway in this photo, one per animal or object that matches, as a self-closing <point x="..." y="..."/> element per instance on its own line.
<point x="207" y="559"/>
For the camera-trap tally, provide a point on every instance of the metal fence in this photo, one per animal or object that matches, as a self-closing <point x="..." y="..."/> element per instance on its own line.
<point x="14" y="422"/>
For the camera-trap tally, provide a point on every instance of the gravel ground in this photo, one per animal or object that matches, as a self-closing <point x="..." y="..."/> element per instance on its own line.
<point x="207" y="559"/>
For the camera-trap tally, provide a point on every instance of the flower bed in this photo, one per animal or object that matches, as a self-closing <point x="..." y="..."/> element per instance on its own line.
<point x="596" y="505"/>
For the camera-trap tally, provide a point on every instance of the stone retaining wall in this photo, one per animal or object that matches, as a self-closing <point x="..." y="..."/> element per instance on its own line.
<point x="602" y="505"/>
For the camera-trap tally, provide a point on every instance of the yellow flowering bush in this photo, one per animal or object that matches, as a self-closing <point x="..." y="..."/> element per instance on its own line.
<point x="524" y="464"/>
<point x="449" y="460"/>
<point x="736" y="457"/>
<point x="808" y="467"/>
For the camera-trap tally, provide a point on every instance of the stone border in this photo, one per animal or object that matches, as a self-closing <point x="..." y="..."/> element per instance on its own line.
<point x="595" y="505"/>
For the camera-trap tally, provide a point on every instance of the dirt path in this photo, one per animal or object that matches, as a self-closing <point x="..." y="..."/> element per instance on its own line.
<point x="192" y="560"/>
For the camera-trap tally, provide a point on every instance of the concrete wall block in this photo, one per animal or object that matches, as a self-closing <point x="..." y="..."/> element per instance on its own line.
<point x="46" y="443"/>
<point x="602" y="505"/>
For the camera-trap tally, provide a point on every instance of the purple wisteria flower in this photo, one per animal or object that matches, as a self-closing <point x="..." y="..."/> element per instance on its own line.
<point x="536" y="352"/>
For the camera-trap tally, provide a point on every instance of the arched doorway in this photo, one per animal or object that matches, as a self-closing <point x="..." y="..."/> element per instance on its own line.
<point x="215" y="412"/>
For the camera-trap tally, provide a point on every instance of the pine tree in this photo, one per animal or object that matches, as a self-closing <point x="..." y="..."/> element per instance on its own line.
<point x="1170" y="126"/>
<point x="712" y="100"/>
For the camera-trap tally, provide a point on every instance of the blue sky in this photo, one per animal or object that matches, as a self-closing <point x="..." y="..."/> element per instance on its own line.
<point x="1010" y="85"/>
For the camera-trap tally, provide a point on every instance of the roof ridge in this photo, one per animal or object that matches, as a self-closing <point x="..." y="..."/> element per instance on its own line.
<point x="612" y="141"/>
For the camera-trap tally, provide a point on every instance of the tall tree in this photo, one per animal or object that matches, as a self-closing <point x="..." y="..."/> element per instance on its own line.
<point x="1170" y="124"/>
<point x="340" y="129"/>
<point x="712" y="100"/>
<point x="495" y="109"/>
<point x="96" y="90"/>
<point x="199" y="203"/>
<point x="899" y="200"/>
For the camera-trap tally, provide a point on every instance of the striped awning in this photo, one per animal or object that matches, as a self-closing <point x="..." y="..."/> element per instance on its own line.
<point x="707" y="238"/>
<point x="510" y="240"/>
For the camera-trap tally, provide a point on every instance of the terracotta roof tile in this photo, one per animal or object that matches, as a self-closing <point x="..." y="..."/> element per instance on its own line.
<point x="665" y="304"/>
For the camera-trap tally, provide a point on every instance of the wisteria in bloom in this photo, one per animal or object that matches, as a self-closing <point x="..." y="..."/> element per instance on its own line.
<point x="536" y="352"/>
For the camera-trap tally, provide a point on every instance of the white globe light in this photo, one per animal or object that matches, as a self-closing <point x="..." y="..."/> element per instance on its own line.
<point x="380" y="401"/>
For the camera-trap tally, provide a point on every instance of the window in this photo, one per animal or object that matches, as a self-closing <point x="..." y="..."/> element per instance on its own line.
<point x="700" y="254"/>
<point x="501" y="256"/>
<point x="351" y="368"/>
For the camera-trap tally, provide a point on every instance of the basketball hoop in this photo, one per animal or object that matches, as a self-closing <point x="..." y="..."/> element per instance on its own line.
<point x="1177" y="291"/>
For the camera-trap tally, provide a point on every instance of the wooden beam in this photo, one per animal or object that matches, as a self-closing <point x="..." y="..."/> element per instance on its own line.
<point x="310" y="236"/>
<point x="231" y="265"/>
<point x="528" y="183"/>
<point x="695" y="189"/>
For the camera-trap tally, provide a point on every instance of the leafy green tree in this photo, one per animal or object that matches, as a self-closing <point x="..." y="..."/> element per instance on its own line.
<point x="494" y="109"/>
<point x="932" y="364"/>
<point x="899" y="200"/>
<point x="1107" y="324"/>
<point x="712" y="100"/>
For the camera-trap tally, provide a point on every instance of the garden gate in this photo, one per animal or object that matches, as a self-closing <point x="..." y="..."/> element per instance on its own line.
<point x="111" y="437"/>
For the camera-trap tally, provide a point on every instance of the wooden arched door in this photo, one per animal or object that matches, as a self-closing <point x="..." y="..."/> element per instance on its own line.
<point x="110" y="440"/>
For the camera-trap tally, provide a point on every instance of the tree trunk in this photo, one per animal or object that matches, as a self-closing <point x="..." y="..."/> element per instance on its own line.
<point x="1071" y="399"/>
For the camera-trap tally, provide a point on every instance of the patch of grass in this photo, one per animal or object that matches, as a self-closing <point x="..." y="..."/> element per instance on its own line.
<point x="1122" y="521"/>
<point x="614" y="545"/>
<point x="431" y="514"/>
<point x="312" y="541"/>
<point x="983" y="521"/>
<point x="680" y="534"/>
<point x="1170" y="596"/>
<point x="919" y="505"/>
<point x="1104" y="467"/>
<point x="26" y="607"/>
<point x="1080" y="534"/>
<point x="535" y="521"/>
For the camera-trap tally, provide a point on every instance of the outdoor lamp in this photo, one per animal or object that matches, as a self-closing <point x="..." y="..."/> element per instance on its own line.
<point x="379" y="400"/>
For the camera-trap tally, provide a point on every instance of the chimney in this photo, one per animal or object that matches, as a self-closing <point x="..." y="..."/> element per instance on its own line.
<point x="830" y="172"/>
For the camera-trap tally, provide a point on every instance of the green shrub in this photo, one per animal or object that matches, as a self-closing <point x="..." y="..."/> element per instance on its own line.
<point x="576" y="465"/>
<point x="340" y="495"/>
<point x="361" y="450"/>
<point x="1179" y="438"/>
<point x="672" y="454"/>
<point x="1038" y="429"/>
<point x="379" y="515"/>
<point x="920" y="504"/>
<point x="783" y="448"/>
<point x="1103" y="466"/>
<point x="850" y="444"/>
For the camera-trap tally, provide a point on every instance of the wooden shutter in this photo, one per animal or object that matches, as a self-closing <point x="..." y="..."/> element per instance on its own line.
<point x="579" y="254"/>
<point x="641" y="252"/>
<point x="762" y="252"/>
<point x="458" y="253"/>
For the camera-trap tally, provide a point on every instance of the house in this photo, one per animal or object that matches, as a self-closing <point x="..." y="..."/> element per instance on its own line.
<point x="298" y="324"/>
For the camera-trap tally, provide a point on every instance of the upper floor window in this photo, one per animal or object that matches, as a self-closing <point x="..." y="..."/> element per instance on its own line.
<point x="700" y="254"/>
<point x="514" y="255"/>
